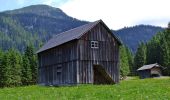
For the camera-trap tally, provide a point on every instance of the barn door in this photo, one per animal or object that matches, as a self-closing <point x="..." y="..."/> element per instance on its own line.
<point x="101" y="76"/>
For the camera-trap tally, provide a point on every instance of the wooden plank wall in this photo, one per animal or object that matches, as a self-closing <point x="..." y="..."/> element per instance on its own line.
<point x="107" y="55"/>
<point x="57" y="66"/>
<point x="72" y="62"/>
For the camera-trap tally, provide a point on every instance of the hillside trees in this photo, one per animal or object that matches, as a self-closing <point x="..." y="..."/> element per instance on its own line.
<point x="30" y="64"/>
<point x="130" y="60"/>
<point x="5" y="71"/>
<point x="10" y="68"/>
<point x="26" y="75"/>
<point x="14" y="35"/>
<point x="153" y="50"/>
<point x="132" y="36"/>
<point x="22" y="26"/>
<point x="125" y="61"/>
<point x="16" y="68"/>
<point x="165" y="51"/>
<point x="140" y="57"/>
<point x="157" y="50"/>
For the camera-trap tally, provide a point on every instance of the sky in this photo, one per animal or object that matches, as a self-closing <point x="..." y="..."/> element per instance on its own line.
<point x="115" y="13"/>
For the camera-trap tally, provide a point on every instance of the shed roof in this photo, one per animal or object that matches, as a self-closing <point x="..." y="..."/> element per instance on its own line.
<point x="148" y="66"/>
<point x="70" y="35"/>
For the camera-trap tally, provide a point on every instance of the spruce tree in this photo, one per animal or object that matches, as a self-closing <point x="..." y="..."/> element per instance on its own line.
<point x="124" y="64"/>
<point x="153" y="50"/>
<point x="165" y="51"/>
<point x="14" y="60"/>
<point x="1" y="55"/>
<point x="5" y="71"/>
<point x="1" y="67"/>
<point x="158" y="50"/>
<point x="130" y="60"/>
<point x="29" y="54"/>
<point x="140" y="57"/>
<point x="26" y="75"/>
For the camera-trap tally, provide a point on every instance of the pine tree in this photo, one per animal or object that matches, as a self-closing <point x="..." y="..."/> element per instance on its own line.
<point x="165" y="51"/>
<point x="34" y="68"/>
<point x="14" y="61"/>
<point x="26" y="75"/>
<point x="29" y="54"/>
<point x="158" y="50"/>
<point x="5" y="71"/>
<point x="140" y="57"/>
<point x="153" y="50"/>
<point x="1" y="68"/>
<point x="1" y="55"/>
<point x="130" y="60"/>
<point x="124" y="65"/>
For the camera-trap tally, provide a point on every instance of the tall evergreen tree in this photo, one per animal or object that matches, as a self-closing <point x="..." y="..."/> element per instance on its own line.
<point x="5" y="71"/>
<point x="165" y="51"/>
<point x="1" y="67"/>
<point x="26" y="75"/>
<point x="14" y="61"/>
<point x="29" y="54"/>
<point x="158" y="50"/>
<point x="1" y="55"/>
<point x="34" y="68"/>
<point x="130" y="60"/>
<point x="153" y="50"/>
<point x="124" y="64"/>
<point x="16" y="69"/>
<point x="140" y="57"/>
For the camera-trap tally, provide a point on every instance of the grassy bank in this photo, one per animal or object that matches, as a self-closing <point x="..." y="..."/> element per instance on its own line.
<point x="147" y="89"/>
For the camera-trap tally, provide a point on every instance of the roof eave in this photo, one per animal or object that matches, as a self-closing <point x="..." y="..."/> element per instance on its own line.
<point x="40" y="51"/>
<point x="117" y="38"/>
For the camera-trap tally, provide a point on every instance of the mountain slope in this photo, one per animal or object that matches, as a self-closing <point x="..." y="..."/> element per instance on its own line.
<point x="132" y="36"/>
<point x="33" y="24"/>
<point x="41" y="10"/>
<point x="38" y="23"/>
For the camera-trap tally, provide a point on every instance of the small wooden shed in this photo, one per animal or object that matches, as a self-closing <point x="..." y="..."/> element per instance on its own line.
<point x="148" y="71"/>
<point x="86" y="54"/>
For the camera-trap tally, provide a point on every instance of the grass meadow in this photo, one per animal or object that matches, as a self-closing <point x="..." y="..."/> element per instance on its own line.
<point x="132" y="89"/>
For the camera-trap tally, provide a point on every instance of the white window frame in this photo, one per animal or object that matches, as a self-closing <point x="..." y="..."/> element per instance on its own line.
<point x="95" y="44"/>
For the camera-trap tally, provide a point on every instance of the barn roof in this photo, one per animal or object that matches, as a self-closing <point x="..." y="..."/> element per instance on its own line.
<point x="149" y="66"/>
<point x="72" y="34"/>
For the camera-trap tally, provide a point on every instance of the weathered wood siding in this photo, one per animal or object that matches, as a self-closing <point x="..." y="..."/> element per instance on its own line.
<point x="150" y="72"/>
<point x="144" y="74"/>
<point x="107" y="55"/>
<point x="156" y="70"/>
<point x="57" y="66"/>
<point x="72" y="62"/>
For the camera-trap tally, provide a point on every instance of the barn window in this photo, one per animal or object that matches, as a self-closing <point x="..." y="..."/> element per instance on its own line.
<point x="94" y="44"/>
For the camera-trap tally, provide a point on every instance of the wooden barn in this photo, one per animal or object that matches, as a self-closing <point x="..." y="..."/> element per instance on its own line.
<point x="148" y="71"/>
<point x="86" y="54"/>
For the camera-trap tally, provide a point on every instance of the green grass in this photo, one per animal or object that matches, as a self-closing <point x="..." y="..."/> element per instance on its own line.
<point x="135" y="89"/>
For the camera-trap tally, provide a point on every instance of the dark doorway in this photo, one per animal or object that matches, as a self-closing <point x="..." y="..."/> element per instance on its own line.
<point x="101" y="76"/>
<point x="155" y="75"/>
